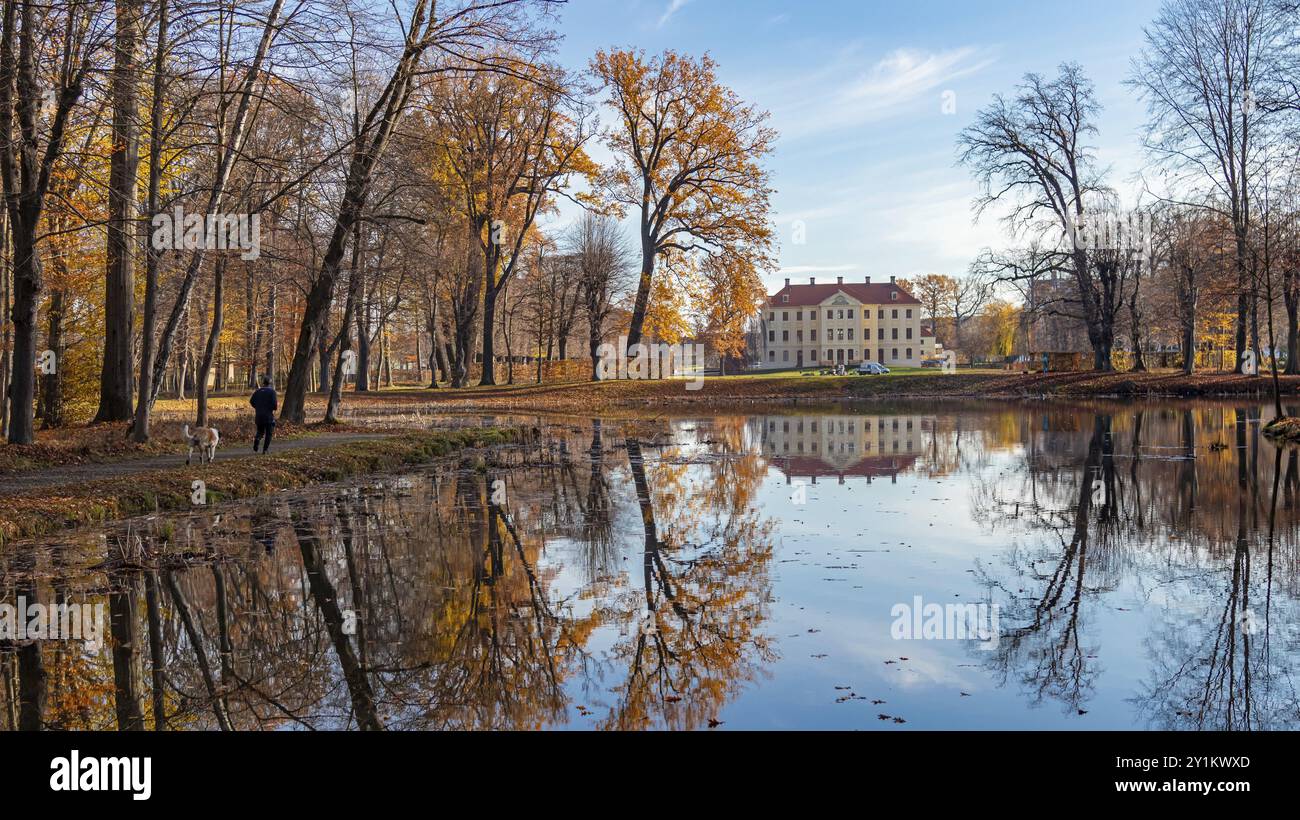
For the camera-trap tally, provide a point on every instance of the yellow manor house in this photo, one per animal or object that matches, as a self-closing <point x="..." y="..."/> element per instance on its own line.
<point x="846" y="323"/>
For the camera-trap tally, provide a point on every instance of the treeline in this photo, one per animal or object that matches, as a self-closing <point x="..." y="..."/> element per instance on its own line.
<point x="1211" y="247"/>
<point x="199" y="193"/>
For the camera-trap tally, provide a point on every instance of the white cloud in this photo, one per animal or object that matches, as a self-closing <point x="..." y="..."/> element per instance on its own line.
<point x="673" y="7"/>
<point x="847" y="92"/>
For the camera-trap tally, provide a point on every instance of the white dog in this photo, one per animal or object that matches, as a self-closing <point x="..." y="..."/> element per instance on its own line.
<point x="204" y="438"/>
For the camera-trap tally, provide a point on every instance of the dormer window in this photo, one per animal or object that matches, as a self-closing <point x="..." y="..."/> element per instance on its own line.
<point x="893" y="294"/>
<point x="785" y="297"/>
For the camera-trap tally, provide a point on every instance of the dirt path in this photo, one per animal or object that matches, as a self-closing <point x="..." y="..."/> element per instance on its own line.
<point x="232" y="451"/>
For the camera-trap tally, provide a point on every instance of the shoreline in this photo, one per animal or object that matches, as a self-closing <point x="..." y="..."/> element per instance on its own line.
<point x="48" y="510"/>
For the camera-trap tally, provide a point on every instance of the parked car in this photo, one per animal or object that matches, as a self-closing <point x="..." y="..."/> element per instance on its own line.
<point x="932" y="363"/>
<point x="872" y="369"/>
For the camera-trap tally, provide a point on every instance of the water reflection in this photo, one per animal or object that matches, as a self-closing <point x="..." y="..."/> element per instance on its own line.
<point x="665" y="573"/>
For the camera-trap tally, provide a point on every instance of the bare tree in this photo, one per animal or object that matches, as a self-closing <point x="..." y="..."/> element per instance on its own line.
<point x="603" y="257"/>
<point x="1031" y="152"/>
<point x="1206" y="67"/>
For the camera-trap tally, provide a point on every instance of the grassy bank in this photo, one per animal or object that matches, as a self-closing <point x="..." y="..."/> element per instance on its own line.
<point x="724" y="392"/>
<point x="109" y="443"/>
<point x="39" y="512"/>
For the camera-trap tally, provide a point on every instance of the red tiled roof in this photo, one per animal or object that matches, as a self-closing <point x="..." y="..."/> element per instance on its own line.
<point x="867" y="467"/>
<point x="810" y="295"/>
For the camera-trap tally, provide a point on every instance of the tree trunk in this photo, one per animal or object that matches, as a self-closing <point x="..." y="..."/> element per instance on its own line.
<point x="268" y="366"/>
<point x="1292" y="338"/>
<point x="52" y="383"/>
<point x="119" y="282"/>
<point x="128" y="675"/>
<point x="642" y="289"/>
<point x="214" y="337"/>
<point x="28" y="284"/>
<point x="140" y="424"/>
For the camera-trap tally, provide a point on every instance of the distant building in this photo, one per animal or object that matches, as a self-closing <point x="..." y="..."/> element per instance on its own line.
<point x="845" y="323"/>
<point x="1053" y="322"/>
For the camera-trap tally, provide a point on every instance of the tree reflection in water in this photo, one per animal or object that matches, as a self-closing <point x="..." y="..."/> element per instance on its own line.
<point x="1185" y="526"/>
<point x="621" y="575"/>
<point x="440" y="599"/>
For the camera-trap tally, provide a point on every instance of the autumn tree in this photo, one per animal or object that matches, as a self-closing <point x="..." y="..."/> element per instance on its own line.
<point x="688" y="161"/>
<point x="513" y="144"/>
<point x="936" y="292"/>
<point x="460" y="34"/>
<point x="35" y="125"/>
<point x="730" y="292"/>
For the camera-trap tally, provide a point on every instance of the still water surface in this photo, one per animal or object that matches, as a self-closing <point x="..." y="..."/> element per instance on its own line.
<point x="739" y="571"/>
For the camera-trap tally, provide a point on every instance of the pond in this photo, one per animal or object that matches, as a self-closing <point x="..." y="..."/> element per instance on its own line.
<point x="891" y="567"/>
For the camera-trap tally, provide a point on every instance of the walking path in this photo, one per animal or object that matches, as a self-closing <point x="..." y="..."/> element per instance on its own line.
<point x="240" y="451"/>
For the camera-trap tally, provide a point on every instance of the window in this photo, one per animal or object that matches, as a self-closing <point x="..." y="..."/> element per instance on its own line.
<point x="839" y="335"/>
<point x="909" y="313"/>
<point x="785" y="355"/>
<point x="814" y="335"/>
<point x="880" y="353"/>
<point x="851" y="352"/>
<point x="909" y="333"/>
<point x="893" y="294"/>
<point x="850" y="313"/>
<point x="785" y="315"/>
<point x="850" y="334"/>
<point x="841" y="314"/>
<point x="812" y="355"/>
<point x="771" y="317"/>
<point x="785" y="297"/>
<point x="880" y="333"/>
<point x="895" y="312"/>
<point x="893" y="353"/>
<point x="798" y="335"/>
<point x="909" y="353"/>
<point x="785" y="335"/>
<point x="830" y="314"/>
<point x="771" y="335"/>
<point x="830" y="354"/>
<point x="771" y="355"/>
<point x="893" y="333"/>
<point x="880" y="314"/>
<point x="798" y="316"/>
<point x="866" y="353"/>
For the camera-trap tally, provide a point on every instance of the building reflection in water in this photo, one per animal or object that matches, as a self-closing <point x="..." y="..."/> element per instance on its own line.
<point x="844" y="446"/>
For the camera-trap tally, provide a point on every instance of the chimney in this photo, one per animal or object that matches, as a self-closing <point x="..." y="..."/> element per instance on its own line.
<point x="868" y="280"/>
<point x="787" y="283"/>
<point x="891" y="280"/>
<point x="812" y="280"/>
<point x="839" y="280"/>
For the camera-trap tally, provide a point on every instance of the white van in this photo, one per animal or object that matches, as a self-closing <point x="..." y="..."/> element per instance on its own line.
<point x="872" y="369"/>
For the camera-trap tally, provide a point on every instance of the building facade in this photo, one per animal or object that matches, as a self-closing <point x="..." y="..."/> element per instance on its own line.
<point x="845" y="323"/>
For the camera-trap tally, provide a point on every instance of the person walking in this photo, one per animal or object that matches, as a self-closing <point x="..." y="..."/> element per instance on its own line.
<point x="265" y="403"/>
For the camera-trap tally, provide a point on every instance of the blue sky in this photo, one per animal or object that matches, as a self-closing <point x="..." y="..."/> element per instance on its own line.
<point x="866" y="158"/>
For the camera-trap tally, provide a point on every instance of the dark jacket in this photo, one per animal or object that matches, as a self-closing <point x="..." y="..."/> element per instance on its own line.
<point x="265" y="402"/>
